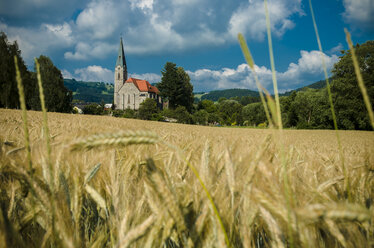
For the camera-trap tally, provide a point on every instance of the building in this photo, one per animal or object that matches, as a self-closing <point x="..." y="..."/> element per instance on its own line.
<point x="129" y="93"/>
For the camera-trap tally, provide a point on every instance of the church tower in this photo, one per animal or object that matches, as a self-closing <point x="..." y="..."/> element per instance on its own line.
<point x="120" y="73"/>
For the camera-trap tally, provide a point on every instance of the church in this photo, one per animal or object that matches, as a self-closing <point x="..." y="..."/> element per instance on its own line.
<point x="129" y="93"/>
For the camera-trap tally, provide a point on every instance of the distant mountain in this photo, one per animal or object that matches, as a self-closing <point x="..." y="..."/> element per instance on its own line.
<point x="90" y="91"/>
<point x="217" y="94"/>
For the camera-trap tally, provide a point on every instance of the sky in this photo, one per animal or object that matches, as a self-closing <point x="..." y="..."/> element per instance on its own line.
<point x="82" y="37"/>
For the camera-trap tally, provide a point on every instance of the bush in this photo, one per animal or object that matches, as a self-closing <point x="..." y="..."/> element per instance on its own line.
<point x="93" y="109"/>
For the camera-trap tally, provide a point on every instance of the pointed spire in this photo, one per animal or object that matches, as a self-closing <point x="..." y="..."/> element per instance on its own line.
<point x="121" y="56"/>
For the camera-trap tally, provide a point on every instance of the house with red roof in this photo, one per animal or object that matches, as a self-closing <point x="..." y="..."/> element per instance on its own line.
<point x="129" y="93"/>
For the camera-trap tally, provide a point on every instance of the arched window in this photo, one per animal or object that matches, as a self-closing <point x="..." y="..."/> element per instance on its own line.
<point x="119" y="76"/>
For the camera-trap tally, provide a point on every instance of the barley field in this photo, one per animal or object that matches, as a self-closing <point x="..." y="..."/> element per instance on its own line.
<point x="114" y="182"/>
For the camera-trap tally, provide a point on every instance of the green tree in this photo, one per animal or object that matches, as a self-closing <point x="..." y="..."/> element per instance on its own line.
<point x="147" y="109"/>
<point x="254" y="114"/>
<point x="350" y="110"/>
<point x="57" y="97"/>
<point x="93" y="109"/>
<point x="182" y="115"/>
<point x="8" y="86"/>
<point x="175" y="87"/>
<point x="230" y="112"/>
<point x="201" y="117"/>
<point x="207" y="105"/>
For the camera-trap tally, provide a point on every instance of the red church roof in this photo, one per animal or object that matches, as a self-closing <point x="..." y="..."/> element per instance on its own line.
<point x="143" y="85"/>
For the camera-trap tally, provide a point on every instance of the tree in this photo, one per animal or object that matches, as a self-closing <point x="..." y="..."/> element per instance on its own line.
<point x="201" y="117"/>
<point x="147" y="109"/>
<point x="57" y="97"/>
<point x="93" y="109"/>
<point x="350" y="109"/>
<point x="8" y="86"/>
<point x="175" y="87"/>
<point x="254" y="114"/>
<point x="230" y="111"/>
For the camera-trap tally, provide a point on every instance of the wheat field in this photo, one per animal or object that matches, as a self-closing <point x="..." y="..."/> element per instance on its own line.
<point x="114" y="182"/>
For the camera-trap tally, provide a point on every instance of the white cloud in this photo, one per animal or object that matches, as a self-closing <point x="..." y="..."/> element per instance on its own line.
<point x="150" y="77"/>
<point x="100" y="19"/>
<point x="39" y="40"/>
<point x="336" y="49"/>
<point x="84" y="51"/>
<point x="359" y="13"/>
<point x="66" y="74"/>
<point x="250" y="18"/>
<point x="94" y="73"/>
<point x="307" y="70"/>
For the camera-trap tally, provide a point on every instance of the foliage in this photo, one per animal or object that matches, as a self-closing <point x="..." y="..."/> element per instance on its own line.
<point x="350" y="110"/>
<point x="201" y="117"/>
<point x="147" y="109"/>
<point x="93" y="109"/>
<point x="57" y="97"/>
<point x="175" y="87"/>
<point x="254" y="114"/>
<point x="129" y="113"/>
<point x="230" y="112"/>
<point x="8" y="86"/>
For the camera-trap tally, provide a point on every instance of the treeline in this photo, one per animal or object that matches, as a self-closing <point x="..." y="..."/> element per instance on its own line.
<point x="57" y="97"/>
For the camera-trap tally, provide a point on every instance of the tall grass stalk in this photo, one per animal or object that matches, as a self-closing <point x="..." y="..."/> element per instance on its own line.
<point x="45" y="123"/>
<point x="47" y="140"/>
<point x="359" y="78"/>
<point x="22" y="101"/>
<point x="346" y="180"/>
<point x="250" y="61"/>
<point x="287" y="190"/>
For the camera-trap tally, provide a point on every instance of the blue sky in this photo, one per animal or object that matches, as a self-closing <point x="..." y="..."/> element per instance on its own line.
<point x="82" y="37"/>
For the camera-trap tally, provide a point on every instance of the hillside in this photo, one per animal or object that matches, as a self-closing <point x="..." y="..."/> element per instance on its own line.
<point x="317" y="85"/>
<point x="217" y="94"/>
<point x="90" y="91"/>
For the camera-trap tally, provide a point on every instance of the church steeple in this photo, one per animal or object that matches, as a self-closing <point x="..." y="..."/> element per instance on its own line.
<point x="121" y="60"/>
<point x="120" y="73"/>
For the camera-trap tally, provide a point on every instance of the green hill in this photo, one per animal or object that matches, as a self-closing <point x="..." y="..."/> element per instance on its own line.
<point x="317" y="85"/>
<point x="90" y="91"/>
<point x="217" y="94"/>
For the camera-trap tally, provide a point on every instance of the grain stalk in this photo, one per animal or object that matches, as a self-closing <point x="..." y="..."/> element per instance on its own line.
<point x="250" y="61"/>
<point x="280" y="128"/>
<point x="24" y="114"/>
<point x="346" y="181"/>
<point x="359" y="78"/>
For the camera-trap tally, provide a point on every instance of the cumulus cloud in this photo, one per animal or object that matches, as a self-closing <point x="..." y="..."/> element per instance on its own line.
<point x="250" y="18"/>
<point x="150" y="77"/>
<point x="39" y="40"/>
<point x="94" y="73"/>
<point x="150" y="28"/>
<point x="84" y="51"/>
<point x="359" y="13"/>
<point x="307" y="70"/>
